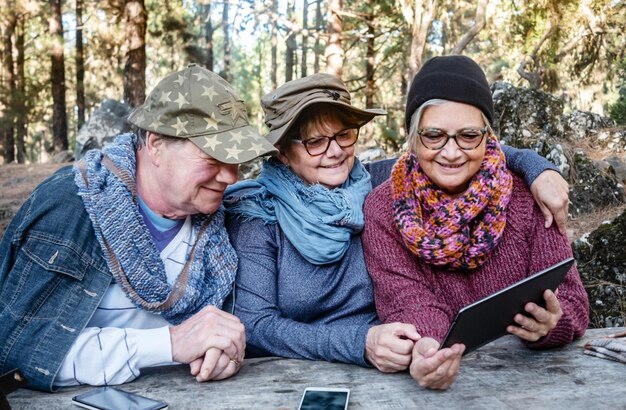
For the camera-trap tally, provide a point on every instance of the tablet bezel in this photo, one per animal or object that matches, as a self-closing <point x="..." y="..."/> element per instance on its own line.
<point x="487" y="319"/>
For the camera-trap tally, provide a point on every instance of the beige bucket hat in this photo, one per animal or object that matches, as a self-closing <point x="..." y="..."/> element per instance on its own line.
<point x="199" y="105"/>
<point x="284" y="105"/>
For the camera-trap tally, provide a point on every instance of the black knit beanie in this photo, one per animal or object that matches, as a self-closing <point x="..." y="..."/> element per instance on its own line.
<point x="454" y="78"/>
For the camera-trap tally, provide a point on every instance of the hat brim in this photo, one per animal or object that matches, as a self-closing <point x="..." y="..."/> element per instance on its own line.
<point x="275" y="136"/>
<point x="234" y="146"/>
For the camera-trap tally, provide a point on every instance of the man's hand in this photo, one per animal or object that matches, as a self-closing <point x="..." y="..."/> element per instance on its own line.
<point x="388" y="347"/>
<point x="542" y="320"/>
<point x="551" y="192"/>
<point x="433" y="368"/>
<point x="209" y="328"/>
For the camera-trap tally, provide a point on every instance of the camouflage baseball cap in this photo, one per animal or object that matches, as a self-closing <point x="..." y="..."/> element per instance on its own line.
<point x="197" y="104"/>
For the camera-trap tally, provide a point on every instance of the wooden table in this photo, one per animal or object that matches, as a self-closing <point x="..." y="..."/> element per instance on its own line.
<point x="500" y="375"/>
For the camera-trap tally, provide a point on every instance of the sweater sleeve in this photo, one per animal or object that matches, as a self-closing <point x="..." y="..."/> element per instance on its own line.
<point x="268" y="331"/>
<point x="549" y="247"/>
<point x="402" y="286"/>
<point x="526" y="163"/>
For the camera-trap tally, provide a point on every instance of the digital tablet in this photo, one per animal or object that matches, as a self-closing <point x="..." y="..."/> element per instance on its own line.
<point x="487" y="319"/>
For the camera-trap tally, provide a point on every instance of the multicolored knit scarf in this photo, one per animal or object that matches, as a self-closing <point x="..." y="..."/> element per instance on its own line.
<point x="106" y="183"/>
<point x="455" y="232"/>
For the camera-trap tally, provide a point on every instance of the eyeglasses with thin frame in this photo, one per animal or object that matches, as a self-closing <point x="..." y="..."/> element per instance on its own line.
<point x="316" y="146"/>
<point x="467" y="139"/>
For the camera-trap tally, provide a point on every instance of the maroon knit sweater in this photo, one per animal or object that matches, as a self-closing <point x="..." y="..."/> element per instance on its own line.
<point x="408" y="290"/>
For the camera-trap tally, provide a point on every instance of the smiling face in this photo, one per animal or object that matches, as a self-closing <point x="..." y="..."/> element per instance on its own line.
<point x="183" y="180"/>
<point x="450" y="168"/>
<point x="330" y="169"/>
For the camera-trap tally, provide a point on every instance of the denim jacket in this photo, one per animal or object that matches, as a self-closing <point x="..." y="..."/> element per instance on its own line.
<point x="52" y="277"/>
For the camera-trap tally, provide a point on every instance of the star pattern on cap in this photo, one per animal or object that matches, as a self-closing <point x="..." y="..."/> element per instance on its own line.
<point x="209" y="92"/>
<point x="200" y="75"/>
<point x="181" y="100"/>
<point x="140" y="117"/>
<point x="237" y="136"/>
<point x="211" y="123"/>
<point x="211" y="142"/>
<point x="180" y="126"/>
<point x="257" y="148"/>
<point x="233" y="152"/>
<point x="165" y="97"/>
<point x="156" y="123"/>
<point x="180" y="80"/>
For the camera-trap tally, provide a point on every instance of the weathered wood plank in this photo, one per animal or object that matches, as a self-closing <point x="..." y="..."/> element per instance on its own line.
<point x="501" y="375"/>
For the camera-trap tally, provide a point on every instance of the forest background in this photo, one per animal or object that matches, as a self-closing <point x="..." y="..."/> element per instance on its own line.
<point x="61" y="59"/>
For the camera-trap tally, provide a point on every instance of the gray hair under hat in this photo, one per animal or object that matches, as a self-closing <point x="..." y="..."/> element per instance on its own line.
<point x="284" y="105"/>
<point x="201" y="106"/>
<point x="454" y="78"/>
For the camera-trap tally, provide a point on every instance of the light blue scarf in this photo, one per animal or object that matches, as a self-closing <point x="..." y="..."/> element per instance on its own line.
<point x="106" y="183"/>
<point x="319" y="222"/>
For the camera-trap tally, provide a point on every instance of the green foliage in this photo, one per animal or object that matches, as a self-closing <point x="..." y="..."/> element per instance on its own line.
<point x="617" y="110"/>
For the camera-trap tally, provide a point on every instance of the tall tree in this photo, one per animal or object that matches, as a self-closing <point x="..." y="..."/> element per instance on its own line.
<point x="8" y="87"/>
<point x="318" y="29"/>
<point x="274" y="52"/>
<point x="80" y="67"/>
<point x="334" y="29"/>
<point x="422" y="15"/>
<point x="370" y="61"/>
<point x="57" y="79"/>
<point x="305" y="37"/>
<point x="19" y="101"/>
<point x="208" y="35"/>
<point x="135" y="21"/>
<point x="227" y="45"/>
<point x="290" y="51"/>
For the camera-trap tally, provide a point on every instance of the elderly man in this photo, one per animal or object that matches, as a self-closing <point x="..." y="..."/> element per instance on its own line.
<point x="122" y="261"/>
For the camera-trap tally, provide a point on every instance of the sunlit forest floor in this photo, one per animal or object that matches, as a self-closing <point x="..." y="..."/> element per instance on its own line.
<point x="17" y="181"/>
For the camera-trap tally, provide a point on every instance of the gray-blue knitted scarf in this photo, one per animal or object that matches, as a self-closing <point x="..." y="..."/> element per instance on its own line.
<point x="106" y="183"/>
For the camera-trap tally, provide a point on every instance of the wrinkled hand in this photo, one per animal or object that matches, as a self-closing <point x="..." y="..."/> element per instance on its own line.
<point x="432" y="368"/>
<point x="388" y="347"/>
<point x="216" y="365"/>
<point x="542" y="320"/>
<point x="209" y="328"/>
<point x="551" y="192"/>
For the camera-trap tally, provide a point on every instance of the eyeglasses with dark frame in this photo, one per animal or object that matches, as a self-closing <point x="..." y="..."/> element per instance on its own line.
<point x="467" y="139"/>
<point x="316" y="146"/>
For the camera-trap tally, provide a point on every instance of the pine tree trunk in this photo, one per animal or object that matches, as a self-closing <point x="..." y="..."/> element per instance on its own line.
<point x="274" y="52"/>
<point x="208" y="36"/>
<point x="135" y="20"/>
<point x="305" y="37"/>
<point x="334" y="30"/>
<point x="8" y="89"/>
<point x="19" y="101"/>
<point x="227" y="46"/>
<point x="369" y="62"/>
<point x="318" y="28"/>
<point x="80" y="67"/>
<point x="291" y="43"/>
<point x="57" y="79"/>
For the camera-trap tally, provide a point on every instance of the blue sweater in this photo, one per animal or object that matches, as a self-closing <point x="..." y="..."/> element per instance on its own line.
<point x="292" y="308"/>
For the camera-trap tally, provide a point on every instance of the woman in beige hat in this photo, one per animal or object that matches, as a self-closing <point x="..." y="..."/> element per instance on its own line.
<point x="302" y="287"/>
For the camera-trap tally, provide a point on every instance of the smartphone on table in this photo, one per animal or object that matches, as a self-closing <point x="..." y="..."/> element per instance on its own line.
<point x="324" y="398"/>
<point x="111" y="398"/>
